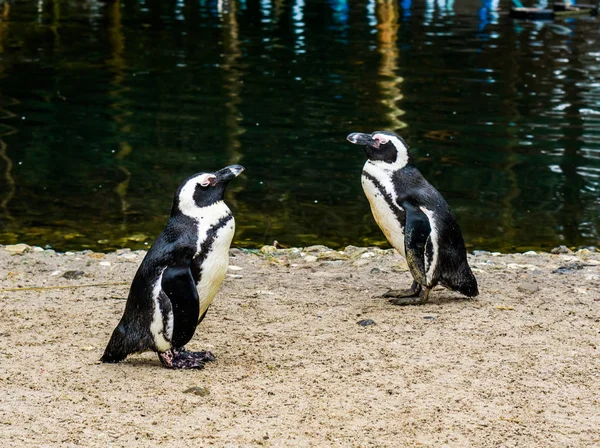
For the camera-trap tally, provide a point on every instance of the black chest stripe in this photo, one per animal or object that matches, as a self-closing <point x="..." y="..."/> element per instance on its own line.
<point x="398" y="212"/>
<point x="206" y="246"/>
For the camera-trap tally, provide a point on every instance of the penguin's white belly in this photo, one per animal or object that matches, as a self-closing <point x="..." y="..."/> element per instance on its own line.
<point x="384" y="216"/>
<point x="214" y="267"/>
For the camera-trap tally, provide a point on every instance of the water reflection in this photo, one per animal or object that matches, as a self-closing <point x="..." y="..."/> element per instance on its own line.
<point x="116" y="102"/>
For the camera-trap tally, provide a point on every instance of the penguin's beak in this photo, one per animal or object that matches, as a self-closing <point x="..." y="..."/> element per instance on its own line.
<point x="228" y="173"/>
<point x="358" y="138"/>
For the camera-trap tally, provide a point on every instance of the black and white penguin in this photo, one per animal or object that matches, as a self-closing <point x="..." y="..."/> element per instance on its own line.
<point x="415" y="219"/>
<point x="180" y="275"/>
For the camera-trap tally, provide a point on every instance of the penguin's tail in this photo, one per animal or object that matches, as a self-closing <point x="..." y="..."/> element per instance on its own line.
<point x="118" y="346"/>
<point x="467" y="283"/>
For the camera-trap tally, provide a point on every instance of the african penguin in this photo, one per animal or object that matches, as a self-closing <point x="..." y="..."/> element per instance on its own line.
<point x="415" y="219"/>
<point x="180" y="275"/>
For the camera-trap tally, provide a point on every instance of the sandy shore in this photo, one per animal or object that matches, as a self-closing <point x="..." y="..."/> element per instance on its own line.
<point x="519" y="366"/>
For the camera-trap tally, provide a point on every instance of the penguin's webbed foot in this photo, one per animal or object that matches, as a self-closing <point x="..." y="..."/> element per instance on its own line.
<point x="413" y="291"/>
<point x="180" y="358"/>
<point x="419" y="299"/>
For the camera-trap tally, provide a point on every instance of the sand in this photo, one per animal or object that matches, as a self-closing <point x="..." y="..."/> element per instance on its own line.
<point x="519" y="366"/>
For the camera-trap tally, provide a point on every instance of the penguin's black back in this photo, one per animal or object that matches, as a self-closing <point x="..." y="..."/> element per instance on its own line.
<point x="453" y="269"/>
<point x="175" y="246"/>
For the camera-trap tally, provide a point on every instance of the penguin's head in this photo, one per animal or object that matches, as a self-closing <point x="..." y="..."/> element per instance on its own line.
<point x="382" y="146"/>
<point x="204" y="189"/>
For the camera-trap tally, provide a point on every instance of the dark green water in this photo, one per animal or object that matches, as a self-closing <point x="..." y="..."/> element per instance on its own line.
<point x="106" y="107"/>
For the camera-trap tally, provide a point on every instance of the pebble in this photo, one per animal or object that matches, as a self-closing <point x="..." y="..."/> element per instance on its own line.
<point x="429" y="317"/>
<point x="530" y="253"/>
<point x="583" y="253"/>
<point x="104" y="263"/>
<point x="310" y="258"/>
<point x="333" y="263"/>
<point x="201" y="391"/>
<point x="73" y="275"/>
<point x="235" y="268"/>
<point x="235" y="276"/>
<point x="37" y="249"/>
<point x="362" y="262"/>
<point x="561" y="250"/>
<point x="375" y="271"/>
<point x="366" y="322"/>
<point x="481" y="252"/>
<point x="17" y="249"/>
<point x="367" y="255"/>
<point x="317" y="248"/>
<point x="528" y="288"/>
<point x="268" y="249"/>
<point x="568" y="268"/>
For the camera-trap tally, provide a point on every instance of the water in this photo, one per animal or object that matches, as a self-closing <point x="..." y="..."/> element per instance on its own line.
<point x="106" y="107"/>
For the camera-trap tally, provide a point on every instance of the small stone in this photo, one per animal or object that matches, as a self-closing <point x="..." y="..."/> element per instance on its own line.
<point x="361" y="262"/>
<point x="496" y="254"/>
<point x="568" y="268"/>
<point x="104" y="263"/>
<point x="73" y="275"/>
<point x="331" y="255"/>
<point x="54" y="274"/>
<point x="201" y="391"/>
<point x="49" y="252"/>
<point x="17" y="249"/>
<point x="528" y="288"/>
<point x="367" y="255"/>
<point x="235" y="276"/>
<point x="235" y="252"/>
<point x="375" y="271"/>
<point x="268" y="249"/>
<point x="478" y="253"/>
<point x="310" y="258"/>
<point x="317" y="248"/>
<point x="355" y="252"/>
<point x="429" y="317"/>
<point x="333" y="263"/>
<point x="561" y="250"/>
<point x="530" y="253"/>
<point x="37" y="249"/>
<point x="366" y="322"/>
<point x="235" y="268"/>
<point x="583" y="253"/>
<point x="128" y="256"/>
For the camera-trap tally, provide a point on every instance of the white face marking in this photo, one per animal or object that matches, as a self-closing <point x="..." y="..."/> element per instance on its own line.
<point x="157" y="326"/>
<point x="206" y="179"/>
<point x="434" y="238"/>
<point x="402" y="151"/>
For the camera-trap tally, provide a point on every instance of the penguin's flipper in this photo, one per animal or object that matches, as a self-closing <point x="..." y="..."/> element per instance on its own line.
<point x="179" y="285"/>
<point x="416" y="237"/>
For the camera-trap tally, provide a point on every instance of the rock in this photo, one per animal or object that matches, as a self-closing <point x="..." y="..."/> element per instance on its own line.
<point x="121" y="251"/>
<point x="49" y="252"/>
<point x="310" y="258"/>
<point x="375" y="271"/>
<point x="583" y="253"/>
<point x="569" y="268"/>
<point x="331" y="255"/>
<point x="17" y="249"/>
<point x="429" y="317"/>
<point x="496" y="254"/>
<point x="362" y="262"/>
<point x="317" y="248"/>
<point x="104" y="263"/>
<point x="561" y="250"/>
<point x="332" y="263"/>
<point x="235" y="268"/>
<point x="528" y="288"/>
<point x="367" y="255"/>
<point x="268" y="249"/>
<point x="73" y="275"/>
<point x="478" y="253"/>
<point x="201" y="391"/>
<point x="366" y="322"/>
<point x="357" y="253"/>
<point x="235" y="252"/>
<point x="37" y="249"/>
<point x="530" y="253"/>
<point x="235" y="276"/>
